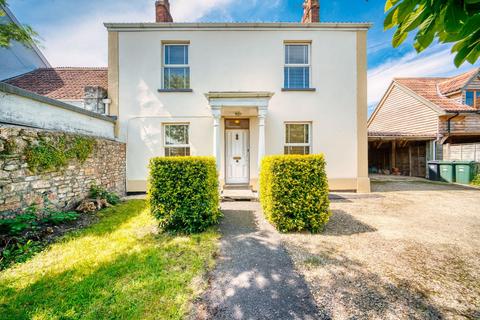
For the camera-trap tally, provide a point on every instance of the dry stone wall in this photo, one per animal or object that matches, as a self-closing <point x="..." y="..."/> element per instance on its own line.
<point x="20" y="187"/>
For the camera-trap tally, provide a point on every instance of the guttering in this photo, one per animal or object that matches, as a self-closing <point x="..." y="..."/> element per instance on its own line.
<point x="346" y="26"/>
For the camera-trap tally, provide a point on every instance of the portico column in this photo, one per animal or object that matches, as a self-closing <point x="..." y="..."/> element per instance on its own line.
<point x="262" y="113"/>
<point x="216" y="136"/>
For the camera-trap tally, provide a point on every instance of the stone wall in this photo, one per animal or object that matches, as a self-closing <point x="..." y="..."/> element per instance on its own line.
<point x="20" y="187"/>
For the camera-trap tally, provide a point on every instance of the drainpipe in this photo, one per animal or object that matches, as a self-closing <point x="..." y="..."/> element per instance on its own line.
<point x="449" y="125"/>
<point x="107" y="103"/>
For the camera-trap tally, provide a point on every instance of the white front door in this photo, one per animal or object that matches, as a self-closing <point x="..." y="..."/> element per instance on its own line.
<point x="237" y="156"/>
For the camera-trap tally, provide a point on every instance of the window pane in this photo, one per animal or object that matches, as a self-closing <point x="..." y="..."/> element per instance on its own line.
<point x="177" y="151"/>
<point x="297" y="133"/>
<point x="297" y="77"/>
<point x="176" y="134"/>
<point x="176" y="54"/>
<point x="469" y="98"/>
<point x="176" y="78"/>
<point x="296" y="54"/>
<point x="297" y="150"/>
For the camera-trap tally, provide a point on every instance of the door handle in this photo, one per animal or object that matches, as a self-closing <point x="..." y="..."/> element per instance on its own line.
<point x="237" y="158"/>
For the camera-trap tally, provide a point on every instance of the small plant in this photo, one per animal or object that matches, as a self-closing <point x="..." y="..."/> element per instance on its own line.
<point x="34" y="218"/>
<point x="19" y="224"/>
<point x="21" y="236"/>
<point x="98" y="192"/>
<point x="59" y="217"/>
<point x="17" y="252"/>
<point x="476" y="181"/>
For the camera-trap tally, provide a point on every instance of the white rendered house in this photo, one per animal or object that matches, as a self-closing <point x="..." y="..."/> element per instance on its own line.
<point x="239" y="91"/>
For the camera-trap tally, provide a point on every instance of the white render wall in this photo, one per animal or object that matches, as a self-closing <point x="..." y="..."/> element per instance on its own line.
<point x="233" y="60"/>
<point x="22" y="110"/>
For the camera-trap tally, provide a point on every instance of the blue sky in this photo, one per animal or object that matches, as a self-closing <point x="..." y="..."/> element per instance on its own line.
<point x="73" y="34"/>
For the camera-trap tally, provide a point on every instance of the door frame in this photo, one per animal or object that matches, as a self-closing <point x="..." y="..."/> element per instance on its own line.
<point x="225" y="146"/>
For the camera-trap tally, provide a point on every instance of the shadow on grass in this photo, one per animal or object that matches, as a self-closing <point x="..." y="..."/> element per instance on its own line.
<point x="112" y="218"/>
<point x="129" y="287"/>
<point x="144" y="275"/>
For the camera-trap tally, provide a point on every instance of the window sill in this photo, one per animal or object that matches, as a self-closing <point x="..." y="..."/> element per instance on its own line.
<point x="174" y="90"/>
<point x="299" y="89"/>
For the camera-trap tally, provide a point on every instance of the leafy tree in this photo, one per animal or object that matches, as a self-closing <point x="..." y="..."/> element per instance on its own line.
<point x="12" y="32"/>
<point x="449" y="21"/>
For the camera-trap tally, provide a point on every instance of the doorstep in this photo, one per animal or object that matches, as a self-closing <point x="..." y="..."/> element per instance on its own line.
<point x="238" y="193"/>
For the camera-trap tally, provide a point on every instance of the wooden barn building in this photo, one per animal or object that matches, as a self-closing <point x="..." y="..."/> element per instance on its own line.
<point x="422" y="119"/>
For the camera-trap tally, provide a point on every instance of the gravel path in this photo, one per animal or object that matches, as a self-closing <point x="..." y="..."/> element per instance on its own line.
<point x="255" y="276"/>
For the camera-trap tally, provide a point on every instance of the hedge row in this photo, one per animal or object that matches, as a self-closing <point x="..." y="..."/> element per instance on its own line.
<point x="294" y="192"/>
<point x="183" y="193"/>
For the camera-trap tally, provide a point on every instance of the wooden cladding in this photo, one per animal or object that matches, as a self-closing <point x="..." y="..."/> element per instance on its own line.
<point x="463" y="124"/>
<point x="400" y="112"/>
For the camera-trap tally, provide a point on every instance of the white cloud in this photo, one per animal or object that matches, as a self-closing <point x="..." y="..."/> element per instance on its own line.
<point x="436" y="61"/>
<point x="81" y="40"/>
<point x="188" y="10"/>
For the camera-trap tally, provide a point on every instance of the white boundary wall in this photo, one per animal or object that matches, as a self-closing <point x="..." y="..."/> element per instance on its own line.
<point x="24" y="108"/>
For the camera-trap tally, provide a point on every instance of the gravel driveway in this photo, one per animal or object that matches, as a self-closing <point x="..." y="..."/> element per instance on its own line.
<point x="409" y="250"/>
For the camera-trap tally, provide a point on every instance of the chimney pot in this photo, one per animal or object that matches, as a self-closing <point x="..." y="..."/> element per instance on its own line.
<point x="311" y="11"/>
<point x="162" y="11"/>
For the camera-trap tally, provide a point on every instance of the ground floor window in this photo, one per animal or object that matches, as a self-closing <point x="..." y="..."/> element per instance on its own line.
<point x="176" y="140"/>
<point x="297" y="138"/>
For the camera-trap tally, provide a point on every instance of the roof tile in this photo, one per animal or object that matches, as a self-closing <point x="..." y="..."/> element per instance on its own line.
<point x="435" y="89"/>
<point x="61" y="83"/>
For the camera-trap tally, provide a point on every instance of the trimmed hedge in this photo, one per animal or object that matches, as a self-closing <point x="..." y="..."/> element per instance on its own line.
<point x="183" y="193"/>
<point x="294" y="192"/>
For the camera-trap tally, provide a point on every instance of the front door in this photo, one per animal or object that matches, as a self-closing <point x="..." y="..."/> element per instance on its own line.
<point x="237" y="156"/>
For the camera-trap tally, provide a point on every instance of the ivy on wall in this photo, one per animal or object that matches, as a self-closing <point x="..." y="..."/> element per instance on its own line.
<point x="53" y="153"/>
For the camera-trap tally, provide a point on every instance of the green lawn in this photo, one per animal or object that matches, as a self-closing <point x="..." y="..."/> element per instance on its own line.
<point x="119" y="268"/>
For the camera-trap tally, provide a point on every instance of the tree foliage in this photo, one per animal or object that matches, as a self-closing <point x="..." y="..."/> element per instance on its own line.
<point x="12" y="32"/>
<point x="449" y="21"/>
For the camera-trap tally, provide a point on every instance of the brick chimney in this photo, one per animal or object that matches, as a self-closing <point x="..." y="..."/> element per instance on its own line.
<point x="162" y="11"/>
<point x="311" y="11"/>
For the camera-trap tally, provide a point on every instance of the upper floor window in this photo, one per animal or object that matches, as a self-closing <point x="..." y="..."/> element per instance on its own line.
<point x="297" y="138"/>
<point x="472" y="98"/>
<point x="176" y="140"/>
<point x="176" y="72"/>
<point x="297" y="66"/>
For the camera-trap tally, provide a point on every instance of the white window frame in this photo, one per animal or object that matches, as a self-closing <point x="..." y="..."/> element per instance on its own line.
<point x="165" y="145"/>
<point x="165" y="65"/>
<point x="298" y="65"/>
<point x="307" y="144"/>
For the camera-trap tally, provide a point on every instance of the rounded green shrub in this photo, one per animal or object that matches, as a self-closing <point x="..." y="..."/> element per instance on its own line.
<point x="294" y="192"/>
<point x="183" y="193"/>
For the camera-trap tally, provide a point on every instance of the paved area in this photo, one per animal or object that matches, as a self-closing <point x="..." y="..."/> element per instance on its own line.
<point x="409" y="250"/>
<point x="255" y="276"/>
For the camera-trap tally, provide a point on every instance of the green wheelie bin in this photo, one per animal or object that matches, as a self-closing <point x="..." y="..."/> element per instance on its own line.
<point x="465" y="171"/>
<point x="447" y="171"/>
